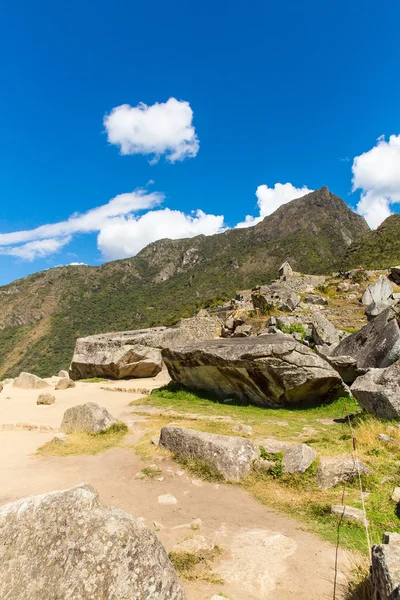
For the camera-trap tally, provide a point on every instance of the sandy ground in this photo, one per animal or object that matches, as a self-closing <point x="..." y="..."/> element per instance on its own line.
<point x="266" y="555"/>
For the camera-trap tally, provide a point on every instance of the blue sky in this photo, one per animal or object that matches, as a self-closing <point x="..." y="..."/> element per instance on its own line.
<point x="262" y="94"/>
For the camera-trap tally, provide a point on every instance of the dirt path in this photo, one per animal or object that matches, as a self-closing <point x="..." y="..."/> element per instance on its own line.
<point x="265" y="555"/>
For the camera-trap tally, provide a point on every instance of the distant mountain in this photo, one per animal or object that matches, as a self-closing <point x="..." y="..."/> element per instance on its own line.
<point x="378" y="249"/>
<point x="43" y="314"/>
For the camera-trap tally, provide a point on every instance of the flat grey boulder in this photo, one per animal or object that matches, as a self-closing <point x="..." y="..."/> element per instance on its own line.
<point x="64" y="383"/>
<point x="298" y="459"/>
<point x="275" y="294"/>
<point x="380" y="291"/>
<point x="68" y="544"/>
<point x="385" y="573"/>
<point x="89" y="417"/>
<point x="337" y="469"/>
<point x="375" y="345"/>
<point x="270" y="370"/>
<point x="136" y="353"/>
<point x="378" y="392"/>
<point x="28" y="381"/>
<point x="348" y="513"/>
<point x="45" y="399"/>
<point x="230" y="456"/>
<point x="323" y="331"/>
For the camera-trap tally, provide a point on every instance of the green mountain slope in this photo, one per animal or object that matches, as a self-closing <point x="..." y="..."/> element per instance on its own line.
<point x="42" y="315"/>
<point x="378" y="249"/>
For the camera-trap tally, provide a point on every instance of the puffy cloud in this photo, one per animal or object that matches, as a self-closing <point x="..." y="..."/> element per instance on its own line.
<point x="270" y="199"/>
<point x="162" y="128"/>
<point x="36" y="249"/>
<point x="123" y="237"/>
<point x="377" y="174"/>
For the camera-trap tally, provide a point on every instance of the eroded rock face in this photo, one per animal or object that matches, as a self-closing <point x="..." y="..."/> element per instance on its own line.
<point x="28" y="381"/>
<point x="298" y="458"/>
<point x="136" y="353"/>
<point x="336" y="469"/>
<point x="278" y="295"/>
<point x="376" y="308"/>
<point x="45" y="399"/>
<point x="323" y="331"/>
<point x="347" y="368"/>
<point x="270" y="370"/>
<point x="67" y="544"/>
<point x="230" y="456"/>
<point x="377" y="344"/>
<point x="89" y="417"/>
<point x="378" y="392"/>
<point x="380" y="291"/>
<point x="386" y="568"/>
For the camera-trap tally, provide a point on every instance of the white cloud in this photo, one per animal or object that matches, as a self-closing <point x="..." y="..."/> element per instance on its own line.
<point x="270" y="199"/>
<point x="162" y="128"/>
<point x="377" y="174"/>
<point x="123" y="237"/>
<point x="36" y="249"/>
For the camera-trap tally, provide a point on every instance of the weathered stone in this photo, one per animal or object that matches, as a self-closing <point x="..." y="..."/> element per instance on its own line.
<point x="89" y="417"/>
<point x="396" y="497"/>
<point x="323" y="331"/>
<point x="386" y="571"/>
<point x="27" y="381"/>
<point x="274" y="446"/>
<point x="64" y="383"/>
<point x="230" y="456"/>
<point x="378" y="391"/>
<point x="167" y="499"/>
<point x="60" y="441"/>
<point x="275" y="294"/>
<point x="336" y="469"/>
<point x="243" y="331"/>
<point x="377" y="344"/>
<point x="380" y="291"/>
<point x="347" y="368"/>
<point x="395" y="274"/>
<point x="376" y="308"/>
<point x="45" y="399"/>
<point x="298" y="458"/>
<point x="349" y="513"/>
<point x="390" y="537"/>
<point x="247" y="429"/>
<point x="269" y="370"/>
<point x="314" y="299"/>
<point x="67" y="544"/>
<point x="196" y="544"/>
<point x="386" y="439"/>
<point x="263" y="465"/>
<point x="63" y="373"/>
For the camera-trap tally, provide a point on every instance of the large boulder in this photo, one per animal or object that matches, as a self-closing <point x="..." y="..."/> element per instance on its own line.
<point x="323" y="331"/>
<point x="378" y="391"/>
<point x="67" y="544"/>
<point x="380" y="291"/>
<point x="270" y="370"/>
<point x="385" y="572"/>
<point x="136" y="353"/>
<point x="28" y="381"/>
<point x="337" y="469"/>
<point x="377" y="344"/>
<point x="89" y="417"/>
<point x="347" y="367"/>
<point x="275" y="294"/>
<point x="230" y="456"/>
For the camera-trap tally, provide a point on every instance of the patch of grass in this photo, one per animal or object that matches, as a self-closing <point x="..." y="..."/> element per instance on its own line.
<point x="93" y="380"/>
<point x="197" y="567"/>
<point x="199" y="468"/>
<point x="86" y="443"/>
<point x="151" y="472"/>
<point x="359" y="586"/>
<point x="292" y="328"/>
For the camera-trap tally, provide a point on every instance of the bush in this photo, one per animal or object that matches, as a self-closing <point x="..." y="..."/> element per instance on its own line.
<point x="292" y="328"/>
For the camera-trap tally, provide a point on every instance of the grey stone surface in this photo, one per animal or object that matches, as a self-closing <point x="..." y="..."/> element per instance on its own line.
<point x="379" y="291"/>
<point x="378" y="391"/>
<point x="63" y="373"/>
<point x="269" y="370"/>
<point x="377" y="344"/>
<point x="64" y="383"/>
<point x="89" y="417"/>
<point x="336" y="469"/>
<point x="243" y="331"/>
<point x="348" y="512"/>
<point x="376" y="308"/>
<point x="67" y="545"/>
<point x="230" y="456"/>
<point x="298" y="459"/>
<point x="323" y="331"/>
<point x="314" y="299"/>
<point x="386" y="571"/>
<point x="276" y="294"/>
<point x="28" y="381"/>
<point x="347" y="367"/>
<point x="396" y="497"/>
<point x="45" y="399"/>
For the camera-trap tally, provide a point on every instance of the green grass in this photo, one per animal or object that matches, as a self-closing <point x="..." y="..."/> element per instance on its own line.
<point x="86" y="443"/>
<point x="197" y="567"/>
<point x="292" y="328"/>
<point x="93" y="380"/>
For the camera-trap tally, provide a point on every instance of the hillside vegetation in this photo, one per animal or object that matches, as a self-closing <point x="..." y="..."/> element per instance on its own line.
<point x="42" y="315"/>
<point x="378" y="249"/>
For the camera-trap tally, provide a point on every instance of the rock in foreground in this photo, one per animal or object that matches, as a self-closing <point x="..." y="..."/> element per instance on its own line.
<point x="336" y="469"/>
<point x="28" y="381"/>
<point x="270" y="370"/>
<point x="378" y="392"/>
<point x="386" y="568"/>
<point x="67" y="545"/>
<point x="230" y="456"/>
<point x="89" y="417"/>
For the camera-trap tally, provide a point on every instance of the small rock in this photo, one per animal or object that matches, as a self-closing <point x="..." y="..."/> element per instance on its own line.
<point x="59" y="440"/>
<point x="45" y="399"/>
<point x="396" y="494"/>
<point x="298" y="459"/>
<point x="243" y="429"/>
<point x="194" y="545"/>
<point x="89" y="417"/>
<point x="63" y="373"/>
<point x="336" y="469"/>
<point x="167" y="499"/>
<point x="348" y="512"/>
<point x="64" y="383"/>
<point x="386" y="439"/>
